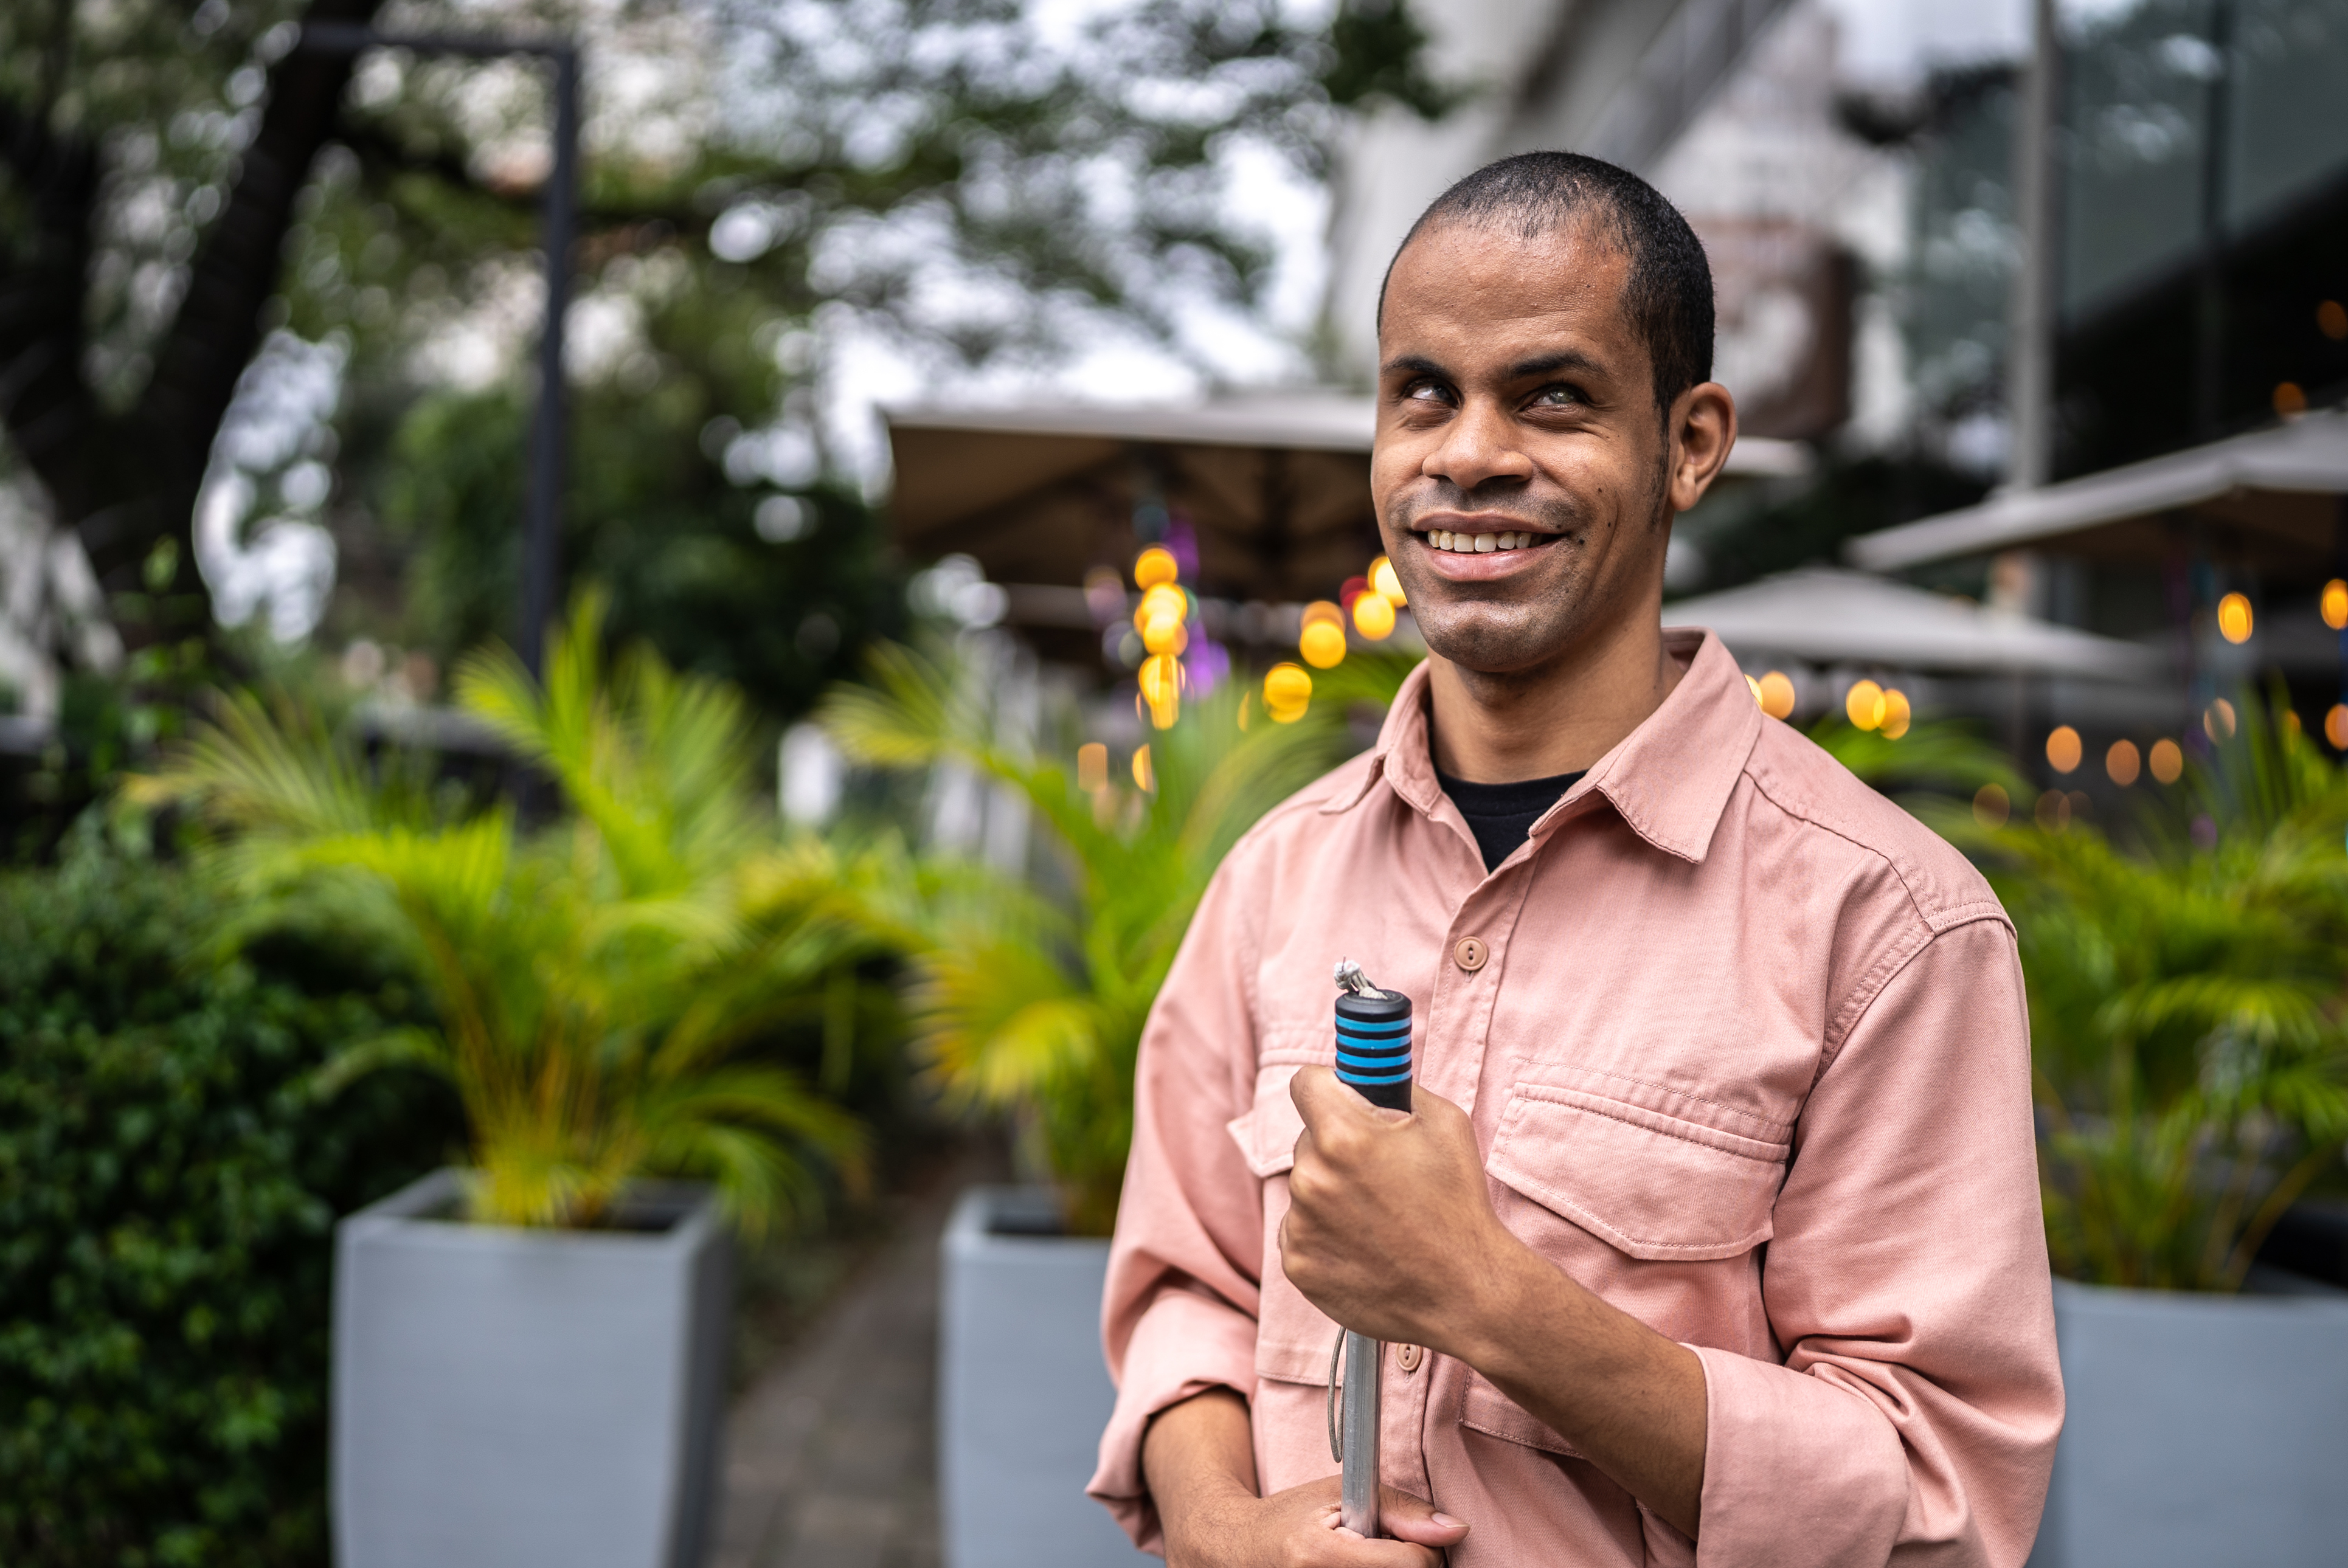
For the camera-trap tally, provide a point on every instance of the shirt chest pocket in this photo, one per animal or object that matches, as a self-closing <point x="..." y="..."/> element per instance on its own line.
<point x="1618" y="1181"/>
<point x="1656" y="1174"/>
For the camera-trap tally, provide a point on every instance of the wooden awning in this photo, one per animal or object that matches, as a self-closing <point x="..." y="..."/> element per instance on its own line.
<point x="1275" y="487"/>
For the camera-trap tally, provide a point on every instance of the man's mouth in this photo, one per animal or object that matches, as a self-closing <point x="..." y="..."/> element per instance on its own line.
<point x="1482" y="544"/>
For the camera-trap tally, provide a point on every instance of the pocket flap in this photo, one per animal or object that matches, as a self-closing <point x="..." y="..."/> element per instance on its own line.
<point x="1267" y="1134"/>
<point x="1484" y="1409"/>
<point x="1645" y="1177"/>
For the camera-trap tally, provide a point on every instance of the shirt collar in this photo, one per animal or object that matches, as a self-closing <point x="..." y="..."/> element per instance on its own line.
<point x="1669" y="779"/>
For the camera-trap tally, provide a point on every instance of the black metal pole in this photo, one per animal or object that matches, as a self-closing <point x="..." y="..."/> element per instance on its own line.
<point x="542" y="526"/>
<point x="542" y="545"/>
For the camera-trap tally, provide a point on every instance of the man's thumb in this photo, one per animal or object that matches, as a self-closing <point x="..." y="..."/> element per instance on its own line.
<point x="1415" y="1520"/>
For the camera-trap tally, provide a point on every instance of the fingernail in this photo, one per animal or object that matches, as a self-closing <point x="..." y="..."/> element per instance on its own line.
<point x="1446" y="1520"/>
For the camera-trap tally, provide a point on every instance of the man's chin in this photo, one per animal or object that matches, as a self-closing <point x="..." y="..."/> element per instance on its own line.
<point x="1490" y="645"/>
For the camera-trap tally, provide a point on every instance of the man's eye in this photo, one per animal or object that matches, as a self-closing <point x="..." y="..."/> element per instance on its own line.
<point x="1556" y="397"/>
<point x="1426" y="392"/>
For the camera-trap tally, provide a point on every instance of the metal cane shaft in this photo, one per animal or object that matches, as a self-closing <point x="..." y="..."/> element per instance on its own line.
<point x="1373" y="1057"/>
<point x="1357" y="1506"/>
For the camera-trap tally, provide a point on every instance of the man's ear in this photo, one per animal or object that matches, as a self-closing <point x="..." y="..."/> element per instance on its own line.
<point x="1703" y="428"/>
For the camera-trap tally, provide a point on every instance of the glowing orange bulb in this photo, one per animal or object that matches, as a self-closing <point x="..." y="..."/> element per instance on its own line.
<point x="1864" y="703"/>
<point x="1287" y="691"/>
<point x="1374" y="616"/>
<point x="2234" y="617"/>
<point x="1154" y="566"/>
<point x="1323" y="644"/>
<point x="2062" y="749"/>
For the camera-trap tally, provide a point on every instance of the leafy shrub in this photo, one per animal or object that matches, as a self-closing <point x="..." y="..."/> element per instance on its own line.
<point x="168" y="1190"/>
<point x="2188" y="1004"/>
<point x="607" y="985"/>
<point x="1032" y="999"/>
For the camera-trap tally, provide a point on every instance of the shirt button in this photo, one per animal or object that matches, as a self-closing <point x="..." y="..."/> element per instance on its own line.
<point x="1409" y="1356"/>
<point x="1471" y="954"/>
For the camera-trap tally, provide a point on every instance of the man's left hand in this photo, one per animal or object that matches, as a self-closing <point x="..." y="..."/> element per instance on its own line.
<point x="1389" y="1224"/>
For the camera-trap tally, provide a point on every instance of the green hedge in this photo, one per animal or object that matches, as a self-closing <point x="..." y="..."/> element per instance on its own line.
<point x="167" y="1192"/>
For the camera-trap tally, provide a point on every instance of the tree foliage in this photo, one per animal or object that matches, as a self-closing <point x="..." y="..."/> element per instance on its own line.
<point x="178" y="179"/>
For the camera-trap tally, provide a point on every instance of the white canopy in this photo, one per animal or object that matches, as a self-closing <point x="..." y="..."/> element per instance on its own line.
<point x="1822" y="615"/>
<point x="2271" y="498"/>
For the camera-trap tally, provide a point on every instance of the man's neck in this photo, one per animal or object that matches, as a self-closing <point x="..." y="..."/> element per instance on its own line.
<point x="1558" y="719"/>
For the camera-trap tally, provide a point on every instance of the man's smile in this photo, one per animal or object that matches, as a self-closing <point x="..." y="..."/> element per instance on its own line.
<point x="1476" y="551"/>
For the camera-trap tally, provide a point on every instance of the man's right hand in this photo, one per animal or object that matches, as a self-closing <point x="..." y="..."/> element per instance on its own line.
<point x="1200" y="1460"/>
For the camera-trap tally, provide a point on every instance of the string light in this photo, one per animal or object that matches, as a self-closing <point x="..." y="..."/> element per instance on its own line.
<point x="2336" y="726"/>
<point x="2234" y="617"/>
<point x="1287" y="692"/>
<point x="1897" y="714"/>
<point x="1990" y="806"/>
<point x="2218" y="720"/>
<point x="1092" y="766"/>
<point x="1374" y="616"/>
<point x="2062" y="749"/>
<point x="2166" y="761"/>
<point x="1145" y="777"/>
<point x="1322" y="639"/>
<point x="2335" y="605"/>
<point x="2123" y="764"/>
<point x="1154" y="566"/>
<point x="1386" y="584"/>
<point x="1161" y="690"/>
<point x="1774" y="693"/>
<point x="1864" y="704"/>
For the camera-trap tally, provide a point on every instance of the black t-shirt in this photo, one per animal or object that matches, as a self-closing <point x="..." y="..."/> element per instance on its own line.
<point x="1501" y="814"/>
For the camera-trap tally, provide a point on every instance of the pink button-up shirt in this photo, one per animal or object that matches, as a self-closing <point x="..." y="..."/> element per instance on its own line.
<point x="1746" y="1056"/>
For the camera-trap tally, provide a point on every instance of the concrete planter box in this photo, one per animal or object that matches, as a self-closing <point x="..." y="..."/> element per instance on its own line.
<point x="525" y="1399"/>
<point x="2202" y="1429"/>
<point x="1022" y="1391"/>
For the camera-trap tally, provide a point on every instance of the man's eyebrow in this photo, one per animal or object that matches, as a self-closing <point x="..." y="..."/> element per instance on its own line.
<point x="1417" y="365"/>
<point x="1545" y="365"/>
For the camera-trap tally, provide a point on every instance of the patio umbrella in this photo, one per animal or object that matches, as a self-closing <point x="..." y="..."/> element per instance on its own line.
<point x="2270" y="500"/>
<point x="1825" y="615"/>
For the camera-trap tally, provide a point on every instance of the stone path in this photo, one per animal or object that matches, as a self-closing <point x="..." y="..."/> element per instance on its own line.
<point x="831" y="1458"/>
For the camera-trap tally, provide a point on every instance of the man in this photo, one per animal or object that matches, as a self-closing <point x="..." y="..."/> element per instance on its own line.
<point x="1714" y="1234"/>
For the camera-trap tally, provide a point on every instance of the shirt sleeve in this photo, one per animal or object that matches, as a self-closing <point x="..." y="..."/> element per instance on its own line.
<point x="1178" y="1315"/>
<point x="1915" y="1416"/>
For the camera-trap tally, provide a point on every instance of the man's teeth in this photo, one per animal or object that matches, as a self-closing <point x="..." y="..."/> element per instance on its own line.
<point x="1476" y="544"/>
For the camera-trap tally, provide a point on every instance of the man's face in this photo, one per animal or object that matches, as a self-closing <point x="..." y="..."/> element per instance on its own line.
<point x="1516" y="402"/>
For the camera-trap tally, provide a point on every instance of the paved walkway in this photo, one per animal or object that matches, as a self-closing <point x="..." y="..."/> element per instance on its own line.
<point x="831" y="1458"/>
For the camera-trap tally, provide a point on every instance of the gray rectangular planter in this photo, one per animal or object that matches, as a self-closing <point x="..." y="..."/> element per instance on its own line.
<point x="2201" y="1430"/>
<point x="528" y="1399"/>
<point x="1022" y="1394"/>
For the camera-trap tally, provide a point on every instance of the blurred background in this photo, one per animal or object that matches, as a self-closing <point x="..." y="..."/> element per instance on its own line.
<point x="957" y="410"/>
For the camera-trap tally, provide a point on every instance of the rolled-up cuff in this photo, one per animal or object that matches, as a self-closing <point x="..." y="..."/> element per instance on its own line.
<point x="1185" y="1344"/>
<point x="1796" y="1471"/>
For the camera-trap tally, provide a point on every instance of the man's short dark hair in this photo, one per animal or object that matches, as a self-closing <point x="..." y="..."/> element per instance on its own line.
<point x="1669" y="291"/>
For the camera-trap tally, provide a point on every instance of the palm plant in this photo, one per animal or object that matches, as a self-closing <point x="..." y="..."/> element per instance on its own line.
<point x="2189" y="1013"/>
<point x="601" y="981"/>
<point x="1032" y="1001"/>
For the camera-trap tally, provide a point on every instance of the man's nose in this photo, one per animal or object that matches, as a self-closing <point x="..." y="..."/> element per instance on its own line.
<point x="1479" y="446"/>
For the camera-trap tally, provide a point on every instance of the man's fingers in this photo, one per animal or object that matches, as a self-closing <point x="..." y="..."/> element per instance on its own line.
<point x="1312" y="1090"/>
<point x="1320" y="1097"/>
<point x="1414" y="1519"/>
